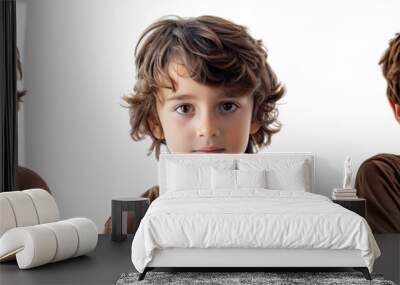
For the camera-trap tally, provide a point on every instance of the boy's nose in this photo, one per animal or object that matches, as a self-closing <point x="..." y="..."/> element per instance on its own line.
<point x="208" y="127"/>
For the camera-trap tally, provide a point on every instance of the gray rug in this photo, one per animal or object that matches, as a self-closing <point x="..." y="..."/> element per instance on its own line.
<point x="229" y="278"/>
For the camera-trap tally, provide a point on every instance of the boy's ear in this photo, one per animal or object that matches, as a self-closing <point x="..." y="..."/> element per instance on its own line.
<point x="254" y="127"/>
<point x="395" y="108"/>
<point x="155" y="129"/>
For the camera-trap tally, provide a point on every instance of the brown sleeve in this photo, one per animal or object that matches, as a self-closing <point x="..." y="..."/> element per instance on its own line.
<point x="152" y="194"/>
<point x="378" y="181"/>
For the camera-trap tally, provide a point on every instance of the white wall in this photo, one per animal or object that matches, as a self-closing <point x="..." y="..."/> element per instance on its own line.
<point x="78" y="62"/>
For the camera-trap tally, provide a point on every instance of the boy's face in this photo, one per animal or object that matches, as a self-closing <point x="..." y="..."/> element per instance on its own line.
<point x="202" y="119"/>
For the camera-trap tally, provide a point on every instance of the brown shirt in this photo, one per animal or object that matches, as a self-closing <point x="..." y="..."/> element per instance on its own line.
<point x="378" y="181"/>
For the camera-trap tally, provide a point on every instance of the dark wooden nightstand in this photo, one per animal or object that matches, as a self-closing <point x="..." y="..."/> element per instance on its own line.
<point x="119" y="214"/>
<point x="358" y="205"/>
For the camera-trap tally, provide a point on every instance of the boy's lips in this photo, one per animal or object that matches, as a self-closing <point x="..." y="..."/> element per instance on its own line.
<point x="209" y="149"/>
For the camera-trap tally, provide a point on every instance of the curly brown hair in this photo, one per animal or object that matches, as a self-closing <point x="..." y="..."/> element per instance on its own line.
<point x="390" y="62"/>
<point x="216" y="52"/>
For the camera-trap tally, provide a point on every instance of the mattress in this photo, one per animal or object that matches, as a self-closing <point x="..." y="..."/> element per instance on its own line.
<point x="250" y="219"/>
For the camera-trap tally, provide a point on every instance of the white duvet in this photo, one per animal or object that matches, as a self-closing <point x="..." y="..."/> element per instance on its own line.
<point x="252" y="218"/>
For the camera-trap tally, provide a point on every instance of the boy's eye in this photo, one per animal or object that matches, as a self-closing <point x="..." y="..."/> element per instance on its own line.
<point x="184" y="108"/>
<point x="228" y="107"/>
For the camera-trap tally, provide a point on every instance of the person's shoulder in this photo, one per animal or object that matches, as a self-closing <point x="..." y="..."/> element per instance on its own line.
<point x="383" y="158"/>
<point x="28" y="179"/>
<point x="152" y="193"/>
<point x="381" y="162"/>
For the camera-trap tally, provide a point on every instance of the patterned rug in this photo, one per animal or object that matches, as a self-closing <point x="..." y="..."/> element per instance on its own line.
<point x="270" y="278"/>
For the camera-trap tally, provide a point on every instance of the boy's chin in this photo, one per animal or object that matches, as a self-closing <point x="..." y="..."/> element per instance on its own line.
<point x="210" y="151"/>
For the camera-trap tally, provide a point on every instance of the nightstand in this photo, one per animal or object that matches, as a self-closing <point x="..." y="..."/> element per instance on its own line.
<point x="358" y="205"/>
<point x="119" y="214"/>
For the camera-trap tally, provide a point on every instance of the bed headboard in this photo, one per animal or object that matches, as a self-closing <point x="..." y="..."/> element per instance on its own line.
<point x="267" y="158"/>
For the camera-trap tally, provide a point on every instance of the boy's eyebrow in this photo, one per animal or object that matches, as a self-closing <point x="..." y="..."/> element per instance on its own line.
<point x="188" y="96"/>
<point x="180" y="97"/>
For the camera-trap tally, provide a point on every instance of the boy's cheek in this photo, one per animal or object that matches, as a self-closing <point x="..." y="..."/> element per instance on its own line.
<point x="175" y="128"/>
<point x="179" y="140"/>
<point x="175" y="125"/>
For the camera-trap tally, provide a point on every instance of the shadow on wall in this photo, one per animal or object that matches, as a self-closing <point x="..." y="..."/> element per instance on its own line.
<point x="327" y="177"/>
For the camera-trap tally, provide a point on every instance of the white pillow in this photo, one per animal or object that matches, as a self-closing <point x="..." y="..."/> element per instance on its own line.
<point x="282" y="174"/>
<point x="237" y="179"/>
<point x="223" y="179"/>
<point x="251" y="178"/>
<point x="289" y="179"/>
<point x="182" y="178"/>
<point x="187" y="175"/>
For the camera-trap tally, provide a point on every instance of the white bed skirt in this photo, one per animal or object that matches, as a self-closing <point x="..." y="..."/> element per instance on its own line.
<point x="235" y="257"/>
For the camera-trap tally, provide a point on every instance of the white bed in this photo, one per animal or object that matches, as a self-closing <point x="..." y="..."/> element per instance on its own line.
<point x="201" y="220"/>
